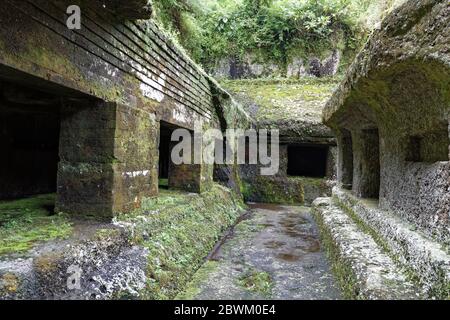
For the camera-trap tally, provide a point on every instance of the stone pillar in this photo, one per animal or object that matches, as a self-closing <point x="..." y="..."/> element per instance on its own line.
<point x="108" y="158"/>
<point x="366" y="163"/>
<point x="194" y="176"/>
<point x="283" y="161"/>
<point x="135" y="158"/>
<point x="187" y="177"/>
<point x="345" y="159"/>
<point x="331" y="173"/>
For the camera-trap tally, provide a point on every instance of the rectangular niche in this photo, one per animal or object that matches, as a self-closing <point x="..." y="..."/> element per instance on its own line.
<point x="430" y="147"/>
<point x="307" y="161"/>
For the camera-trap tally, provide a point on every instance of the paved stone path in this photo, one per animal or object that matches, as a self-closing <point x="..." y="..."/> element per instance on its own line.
<point x="273" y="254"/>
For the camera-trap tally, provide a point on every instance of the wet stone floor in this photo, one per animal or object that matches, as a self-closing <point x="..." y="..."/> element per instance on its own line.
<point x="273" y="253"/>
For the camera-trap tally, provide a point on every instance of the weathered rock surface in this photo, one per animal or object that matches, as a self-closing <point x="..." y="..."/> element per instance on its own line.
<point x="149" y="254"/>
<point x="274" y="254"/>
<point x="252" y="67"/>
<point x="392" y="112"/>
<point x="426" y="258"/>
<point x="97" y="262"/>
<point x="363" y="269"/>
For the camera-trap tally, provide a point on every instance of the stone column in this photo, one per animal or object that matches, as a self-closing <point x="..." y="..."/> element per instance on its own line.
<point x="187" y="177"/>
<point x="345" y="159"/>
<point x="108" y="158"/>
<point x="135" y="158"/>
<point x="366" y="163"/>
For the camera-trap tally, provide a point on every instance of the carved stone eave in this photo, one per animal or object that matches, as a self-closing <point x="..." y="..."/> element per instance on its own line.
<point x="120" y="9"/>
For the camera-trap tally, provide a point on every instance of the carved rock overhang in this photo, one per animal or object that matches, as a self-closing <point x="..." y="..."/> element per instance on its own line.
<point x="403" y="71"/>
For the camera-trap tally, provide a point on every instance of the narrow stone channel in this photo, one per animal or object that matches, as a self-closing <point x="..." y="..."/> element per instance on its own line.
<point x="273" y="254"/>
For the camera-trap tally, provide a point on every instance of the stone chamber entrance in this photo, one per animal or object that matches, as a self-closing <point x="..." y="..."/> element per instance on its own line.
<point x="183" y="177"/>
<point x="56" y="141"/>
<point x="164" y="154"/>
<point x="307" y="161"/>
<point x="30" y="123"/>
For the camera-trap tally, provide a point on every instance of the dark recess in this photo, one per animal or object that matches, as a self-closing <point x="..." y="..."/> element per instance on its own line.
<point x="29" y="138"/>
<point x="307" y="161"/>
<point x="164" y="152"/>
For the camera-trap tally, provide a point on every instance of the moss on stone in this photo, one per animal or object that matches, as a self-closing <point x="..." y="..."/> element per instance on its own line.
<point x="257" y="281"/>
<point x="284" y="190"/>
<point x="9" y="283"/>
<point x="193" y="289"/>
<point x="47" y="264"/>
<point x="284" y="99"/>
<point x="25" y="222"/>
<point x="179" y="230"/>
<point x="439" y="290"/>
<point x="365" y="227"/>
<point x="164" y="183"/>
<point x="341" y="269"/>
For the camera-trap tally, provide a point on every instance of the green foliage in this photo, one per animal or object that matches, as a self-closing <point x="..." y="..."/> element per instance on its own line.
<point x="218" y="28"/>
<point x="276" y="27"/>
<point x="27" y="221"/>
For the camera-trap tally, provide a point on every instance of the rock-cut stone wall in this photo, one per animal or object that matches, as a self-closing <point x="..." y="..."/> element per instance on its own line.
<point x="115" y="80"/>
<point x="391" y="117"/>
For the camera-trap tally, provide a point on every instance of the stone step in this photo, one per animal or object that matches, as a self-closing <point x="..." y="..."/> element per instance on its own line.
<point x="426" y="258"/>
<point x="363" y="268"/>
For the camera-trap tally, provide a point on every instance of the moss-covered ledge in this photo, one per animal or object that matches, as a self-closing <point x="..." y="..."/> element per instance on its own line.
<point x="292" y="106"/>
<point x="27" y="222"/>
<point x="285" y="190"/>
<point x="179" y="230"/>
<point x="151" y="253"/>
<point x="362" y="267"/>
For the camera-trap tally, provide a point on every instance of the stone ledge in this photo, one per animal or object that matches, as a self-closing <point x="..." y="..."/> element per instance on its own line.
<point x="428" y="259"/>
<point x="361" y="266"/>
<point x="285" y="190"/>
<point x="148" y="254"/>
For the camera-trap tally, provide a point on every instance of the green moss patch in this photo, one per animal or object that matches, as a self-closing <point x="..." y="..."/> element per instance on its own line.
<point x="25" y="222"/>
<point x="341" y="269"/>
<point x="273" y="190"/>
<point x="164" y="183"/>
<point x="257" y="281"/>
<point x="193" y="289"/>
<point x="280" y="100"/>
<point x="179" y="230"/>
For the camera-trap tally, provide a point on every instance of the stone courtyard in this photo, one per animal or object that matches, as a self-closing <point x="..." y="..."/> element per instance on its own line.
<point x="92" y="205"/>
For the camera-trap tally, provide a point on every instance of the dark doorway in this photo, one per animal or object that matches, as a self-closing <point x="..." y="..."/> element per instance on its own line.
<point x="369" y="179"/>
<point x="29" y="140"/>
<point x="164" y="154"/>
<point x="307" y="161"/>
<point x="345" y="172"/>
